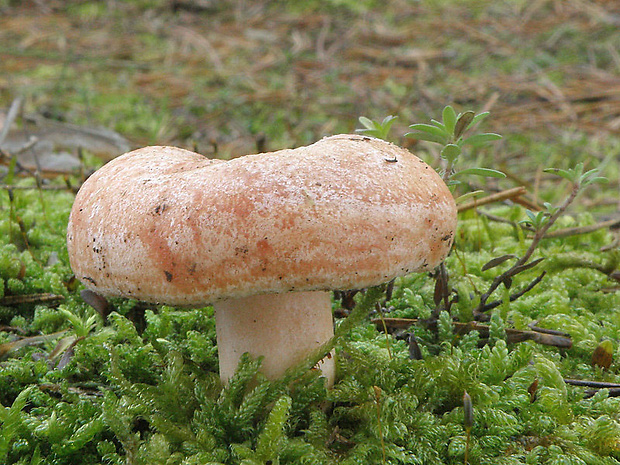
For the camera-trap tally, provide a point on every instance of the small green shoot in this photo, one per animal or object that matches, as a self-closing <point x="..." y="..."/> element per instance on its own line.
<point x="468" y="196"/>
<point x="380" y="130"/>
<point x="82" y="326"/>
<point x="484" y="172"/>
<point x="541" y="222"/>
<point x="536" y="220"/>
<point x="577" y="177"/>
<point x="450" y="132"/>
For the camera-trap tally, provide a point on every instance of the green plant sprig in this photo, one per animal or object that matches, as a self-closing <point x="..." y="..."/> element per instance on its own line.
<point x="541" y="222"/>
<point x="376" y="129"/>
<point x="450" y="132"/>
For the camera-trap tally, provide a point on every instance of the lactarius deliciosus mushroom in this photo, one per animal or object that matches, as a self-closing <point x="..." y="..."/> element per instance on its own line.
<point x="263" y="237"/>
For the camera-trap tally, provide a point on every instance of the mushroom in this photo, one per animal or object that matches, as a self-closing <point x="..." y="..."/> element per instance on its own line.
<point x="263" y="237"/>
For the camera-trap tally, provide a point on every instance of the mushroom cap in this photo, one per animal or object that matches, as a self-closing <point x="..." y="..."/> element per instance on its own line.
<point x="166" y="225"/>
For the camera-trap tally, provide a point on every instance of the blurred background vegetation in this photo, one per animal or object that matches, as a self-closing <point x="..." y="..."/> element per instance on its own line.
<point x="232" y="77"/>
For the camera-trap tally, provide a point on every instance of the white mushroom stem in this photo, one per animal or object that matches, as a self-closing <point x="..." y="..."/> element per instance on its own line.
<point x="284" y="328"/>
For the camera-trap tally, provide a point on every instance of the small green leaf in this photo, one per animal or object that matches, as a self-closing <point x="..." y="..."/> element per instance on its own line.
<point x="531" y="215"/>
<point x="369" y="132"/>
<point x="480" y="139"/>
<point x="550" y="208"/>
<point x="589" y="173"/>
<point x="578" y="170"/>
<point x="388" y="120"/>
<point x="479" y="117"/>
<point x="369" y="124"/>
<point x="536" y="220"/>
<point x="449" y="118"/>
<point x="451" y="152"/>
<point x="485" y="172"/>
<point x="468" y="196"/>
<point x="595" y="180"/>
<point x="462" y="123"/>
<point x="440" y="125"/>
<point x="375" y="129"/>
<point x="430" y="129"/>
<point x="426" y="136"/>
<point x="569" y="175"/>
<point x="590" y="177"/>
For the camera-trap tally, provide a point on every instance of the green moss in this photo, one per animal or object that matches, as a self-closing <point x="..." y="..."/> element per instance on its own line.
<point x="148" y="386"/>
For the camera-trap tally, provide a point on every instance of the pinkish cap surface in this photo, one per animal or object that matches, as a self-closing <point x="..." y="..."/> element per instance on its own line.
<point x="163" y="224"/>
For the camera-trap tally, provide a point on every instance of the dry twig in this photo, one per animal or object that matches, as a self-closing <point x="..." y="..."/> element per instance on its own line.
<point x="512" y="335"/>
<point x="497" y="197"/>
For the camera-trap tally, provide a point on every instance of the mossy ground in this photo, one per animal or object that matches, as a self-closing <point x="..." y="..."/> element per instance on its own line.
<point x="138" y="384"/>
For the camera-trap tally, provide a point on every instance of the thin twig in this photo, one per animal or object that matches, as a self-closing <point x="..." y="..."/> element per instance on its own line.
<point x="512" y="335"/>
<point x="538" y="329"/>
<point x="10" y="117"/>
<point x="497" y="197"/>
<point x="498" y="219"/>
<point x="592" y="384"/>
<point x="583" y="229"/>
<point x="524" y="202"/>
<point x="516" y="295"/>
<point x="377" y="390"/>
<point x="528" y="253"/>
<point x="611" y="392"/>
<point x="9" y="300"/>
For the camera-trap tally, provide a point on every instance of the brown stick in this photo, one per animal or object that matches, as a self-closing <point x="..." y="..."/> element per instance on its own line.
<point x="612" y="392"/>
<point x="513" y="297"/>
<point x="512" y="335"/>
<point x="554" y="332"/>
<point x="540" y="233"/>
<point x="29" y="299"/>
<point x="592" y="384"/>
<point x="582" y="229"/>
<point x="497" y="197"/>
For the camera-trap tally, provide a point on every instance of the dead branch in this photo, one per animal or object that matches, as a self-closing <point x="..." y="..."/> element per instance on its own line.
<point x="512" y="335"/>
<point x="566" y="232"/>
<point x="516" y="295"/>
<point x="592" y="384"/>
<point x="497" y="197"/>
<point x="9" y="300"/>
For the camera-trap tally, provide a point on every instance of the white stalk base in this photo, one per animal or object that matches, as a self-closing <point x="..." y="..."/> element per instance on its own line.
<point x="284" y="328"/>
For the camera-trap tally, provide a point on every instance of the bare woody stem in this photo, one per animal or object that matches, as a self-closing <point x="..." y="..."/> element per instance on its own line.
<point x="540" y="233"/>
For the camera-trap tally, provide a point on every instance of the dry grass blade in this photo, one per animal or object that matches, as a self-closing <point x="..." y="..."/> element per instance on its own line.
<point x="27" y="341"/>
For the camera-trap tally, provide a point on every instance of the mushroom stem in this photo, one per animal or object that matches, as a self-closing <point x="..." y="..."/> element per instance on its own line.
<point x="283" y="328"/>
